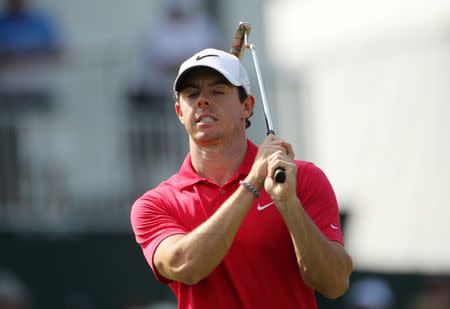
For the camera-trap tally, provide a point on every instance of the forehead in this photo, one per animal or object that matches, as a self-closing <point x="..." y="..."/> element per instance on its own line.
<point x="195" y="75"/>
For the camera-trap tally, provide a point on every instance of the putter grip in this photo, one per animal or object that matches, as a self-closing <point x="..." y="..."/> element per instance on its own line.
<point x="237" y="46"/>
<point x="279" y="175"/>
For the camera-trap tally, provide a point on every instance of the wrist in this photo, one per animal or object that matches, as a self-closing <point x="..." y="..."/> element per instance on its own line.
<point x="250" y="188"/>
<point x="283" y="203"/>
<point x="254" y="182"/>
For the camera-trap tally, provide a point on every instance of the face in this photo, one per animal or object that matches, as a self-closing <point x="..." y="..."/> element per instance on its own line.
<point x="210" y="109"/>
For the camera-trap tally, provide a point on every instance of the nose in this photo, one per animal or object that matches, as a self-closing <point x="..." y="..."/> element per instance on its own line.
<point x="201" y="102"/>
<point x="203" y="99"/>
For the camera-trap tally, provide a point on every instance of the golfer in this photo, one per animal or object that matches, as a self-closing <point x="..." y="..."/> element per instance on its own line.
<point x="221" y="232"/>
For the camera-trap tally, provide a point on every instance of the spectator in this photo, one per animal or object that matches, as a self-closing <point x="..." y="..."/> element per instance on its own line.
<point x="13" y="293"/>
<point x="184" y="28"/>
<point x="29" y="42"/>
<point x="370" y="293"/>
<point x="435" y="293"/>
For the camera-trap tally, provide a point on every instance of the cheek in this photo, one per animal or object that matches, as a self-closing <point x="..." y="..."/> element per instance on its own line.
<point x="235" y="117"/>
<point x="235" y="112"/>
<point x="183" y="110"/>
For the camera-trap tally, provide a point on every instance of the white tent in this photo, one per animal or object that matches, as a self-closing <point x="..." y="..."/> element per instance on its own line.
<point x="364" y="92"/>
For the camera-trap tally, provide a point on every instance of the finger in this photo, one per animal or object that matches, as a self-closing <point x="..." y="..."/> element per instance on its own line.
<point x="278" y="142"/>
<point x="270" y="138"/>
<point x="281" y="159"/>
<point x="270" y="148"/>
<point x="289" y="150"/>
<point x="276" y="160"/>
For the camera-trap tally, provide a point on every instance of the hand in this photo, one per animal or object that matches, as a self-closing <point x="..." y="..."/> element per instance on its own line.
<point x="259" y="170"/>
<point x="281" y="192"/>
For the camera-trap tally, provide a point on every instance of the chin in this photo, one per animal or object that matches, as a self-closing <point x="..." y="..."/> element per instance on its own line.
<point x="207" y="139"/>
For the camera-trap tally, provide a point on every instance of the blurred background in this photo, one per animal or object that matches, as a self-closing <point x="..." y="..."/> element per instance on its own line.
<point x="361" y="88"/>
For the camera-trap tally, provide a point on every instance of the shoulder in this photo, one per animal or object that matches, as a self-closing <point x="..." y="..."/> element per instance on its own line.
<point x="156" y="198"/>
<point x="154" y="214"/>
<point x="158" y="193"/>
<point x="306" y="168"/>
<point x="311" y="179"/>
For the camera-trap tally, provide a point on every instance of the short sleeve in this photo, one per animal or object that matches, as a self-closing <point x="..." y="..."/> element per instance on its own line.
<point x="319" y="200"/>
<point x="152" y="222"/>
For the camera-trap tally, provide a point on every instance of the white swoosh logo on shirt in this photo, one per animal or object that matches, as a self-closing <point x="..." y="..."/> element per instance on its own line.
<point x="262" y="207"/>
<point x="333" y="226"/>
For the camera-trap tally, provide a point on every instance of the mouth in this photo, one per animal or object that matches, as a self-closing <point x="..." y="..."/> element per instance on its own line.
<point x="206" y="119"/>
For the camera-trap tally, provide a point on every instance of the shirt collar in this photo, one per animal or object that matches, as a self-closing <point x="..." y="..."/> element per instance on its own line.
<point x="187" y="176"/>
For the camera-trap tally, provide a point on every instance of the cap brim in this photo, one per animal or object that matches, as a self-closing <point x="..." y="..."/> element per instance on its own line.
<point x="180" y="77"/>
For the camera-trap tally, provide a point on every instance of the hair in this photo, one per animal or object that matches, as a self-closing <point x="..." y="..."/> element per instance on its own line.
<point x="242" y="96"/>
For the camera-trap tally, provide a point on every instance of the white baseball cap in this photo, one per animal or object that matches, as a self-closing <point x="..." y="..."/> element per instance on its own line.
<point x="225" y="63"/>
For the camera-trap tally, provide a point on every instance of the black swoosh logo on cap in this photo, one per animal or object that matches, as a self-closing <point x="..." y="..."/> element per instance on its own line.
<point x="201" y="57"/>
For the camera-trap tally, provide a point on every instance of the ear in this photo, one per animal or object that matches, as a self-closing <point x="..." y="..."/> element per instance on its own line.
<point x="178" y="111"/>
<point x="247" y="106"/>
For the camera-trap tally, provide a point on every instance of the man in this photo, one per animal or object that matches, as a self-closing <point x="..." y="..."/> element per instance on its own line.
<point x="221" y="233"/>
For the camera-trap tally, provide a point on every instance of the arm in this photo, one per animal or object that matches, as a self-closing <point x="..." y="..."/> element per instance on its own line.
<point x="192" y="257"/>
<point x="324" y="265"/>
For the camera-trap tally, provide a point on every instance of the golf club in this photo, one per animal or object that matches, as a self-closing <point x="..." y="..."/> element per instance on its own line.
<point x="238" y="46"/>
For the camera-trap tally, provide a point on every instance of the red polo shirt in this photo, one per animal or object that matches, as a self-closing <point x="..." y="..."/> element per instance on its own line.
<point x="260" y="269"/>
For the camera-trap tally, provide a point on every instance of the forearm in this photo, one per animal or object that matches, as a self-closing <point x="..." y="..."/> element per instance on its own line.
<point x="194" y="256"/>
<point x="324" y="265"/>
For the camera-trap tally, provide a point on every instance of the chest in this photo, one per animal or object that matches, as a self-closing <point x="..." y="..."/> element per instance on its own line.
<point x="262" y="230"/>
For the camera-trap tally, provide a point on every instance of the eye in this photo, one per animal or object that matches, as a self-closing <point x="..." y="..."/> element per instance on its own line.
<point x="219" y="90"/>
<point x="190" y="93"/>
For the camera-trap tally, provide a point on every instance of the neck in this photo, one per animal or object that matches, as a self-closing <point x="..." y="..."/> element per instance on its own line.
<point x="218" y="162"/>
